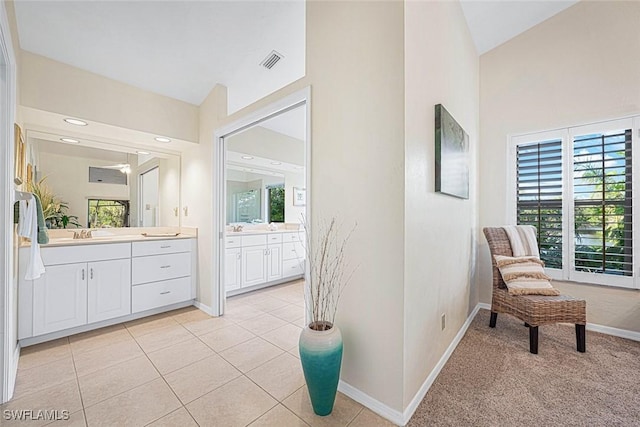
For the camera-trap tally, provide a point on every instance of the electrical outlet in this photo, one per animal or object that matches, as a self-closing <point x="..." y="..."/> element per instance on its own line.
<point x="443" y="321"/>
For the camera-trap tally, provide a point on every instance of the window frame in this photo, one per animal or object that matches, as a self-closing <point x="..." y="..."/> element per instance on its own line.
<point x="124" y="202"/>
<point x="567" y="135"/>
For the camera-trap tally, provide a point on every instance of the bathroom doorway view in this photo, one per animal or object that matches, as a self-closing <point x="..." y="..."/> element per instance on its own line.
<point x="265" y="170"/>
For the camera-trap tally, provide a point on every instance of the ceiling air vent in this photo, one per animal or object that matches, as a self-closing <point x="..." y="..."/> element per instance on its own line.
<point x="271" y="60"/>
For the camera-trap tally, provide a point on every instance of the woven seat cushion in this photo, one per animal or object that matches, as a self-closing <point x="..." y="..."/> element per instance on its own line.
<point x="525" y="275"/>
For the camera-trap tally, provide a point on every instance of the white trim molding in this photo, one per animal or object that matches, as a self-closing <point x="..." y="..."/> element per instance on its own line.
<point x="422" y="392"/>
<point x="608" y="330"/>
<point x="203" y="307"/>
<point x="9" y="350"/>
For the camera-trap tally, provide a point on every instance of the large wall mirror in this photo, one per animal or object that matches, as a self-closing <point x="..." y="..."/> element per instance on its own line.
<point x="266" y="171"/>
<point x="106" y="186"/>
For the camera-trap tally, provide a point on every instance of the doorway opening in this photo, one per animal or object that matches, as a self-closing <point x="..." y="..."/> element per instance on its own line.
<point x="262" y="163"/>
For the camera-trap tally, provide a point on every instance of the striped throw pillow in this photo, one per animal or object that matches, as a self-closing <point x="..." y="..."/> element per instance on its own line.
<point x="525" y="275"/>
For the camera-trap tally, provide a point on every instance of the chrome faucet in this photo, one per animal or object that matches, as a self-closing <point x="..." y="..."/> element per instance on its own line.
<point x="83" y="234"/>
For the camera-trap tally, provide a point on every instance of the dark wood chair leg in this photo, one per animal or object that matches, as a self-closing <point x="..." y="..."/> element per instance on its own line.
<point x="533" y="339"/>
<point x="492" y="321"/>
<point x="581" y="338"/>
<point x="526" y="324"/>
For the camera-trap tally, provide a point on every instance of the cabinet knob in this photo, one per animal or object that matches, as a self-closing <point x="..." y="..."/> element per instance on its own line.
<point x="165" y="266"/>
<point x="83" y="274"/>
<point x="91" y="273"/>
<point x="165" y="292"/>
<point x="165" y="247"/>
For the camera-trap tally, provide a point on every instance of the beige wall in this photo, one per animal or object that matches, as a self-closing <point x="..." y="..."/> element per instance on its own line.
<point x="581" y="66"/>
<point x="197" y="191"/>
<point x="56" y="87"/>
<point x="441" y="66"/>
<point x="357" y="137"/>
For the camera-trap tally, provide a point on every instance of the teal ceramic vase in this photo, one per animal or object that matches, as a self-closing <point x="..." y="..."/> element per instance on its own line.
<point x="321" y="357"/>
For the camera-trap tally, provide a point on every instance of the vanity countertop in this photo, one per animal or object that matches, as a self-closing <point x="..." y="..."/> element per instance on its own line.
<point x="102" y="240"/>
<point x="250" y="232"/>
<point x="101" y="236"/>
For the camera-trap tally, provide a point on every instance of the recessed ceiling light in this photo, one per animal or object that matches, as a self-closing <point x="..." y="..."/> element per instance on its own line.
<point x="276" y="163"/>
<point x="70" y="140"/>
<point x="162" y="139"/>
<point x="247" y="157"/>
<point x="142" y="152"/>
<point x="75" y="122"/>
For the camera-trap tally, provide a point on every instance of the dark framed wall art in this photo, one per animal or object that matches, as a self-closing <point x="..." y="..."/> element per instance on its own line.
<point x="452" y="155"/>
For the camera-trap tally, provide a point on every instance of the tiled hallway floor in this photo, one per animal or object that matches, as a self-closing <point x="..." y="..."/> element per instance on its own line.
<point x="183" y="368"/>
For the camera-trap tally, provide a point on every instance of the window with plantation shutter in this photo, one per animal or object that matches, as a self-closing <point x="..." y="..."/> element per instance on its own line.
<point x="576" y="186"/>
<point x="602" y="193"/>
<point x="539" y="182"/>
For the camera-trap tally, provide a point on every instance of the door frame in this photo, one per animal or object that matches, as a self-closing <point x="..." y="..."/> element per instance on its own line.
<point x="140" y="210"/>
<point x="219" y="179"/>
<point x="9" y="350"/>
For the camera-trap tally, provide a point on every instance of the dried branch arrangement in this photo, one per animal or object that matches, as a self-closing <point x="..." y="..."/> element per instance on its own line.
<point x="328" y="272"/>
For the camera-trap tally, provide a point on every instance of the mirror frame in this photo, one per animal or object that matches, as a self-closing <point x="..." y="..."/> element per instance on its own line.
<point x="219" y="178"/>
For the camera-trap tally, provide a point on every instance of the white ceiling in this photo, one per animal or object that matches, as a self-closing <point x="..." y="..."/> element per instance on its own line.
<point x="180" y="49"/>
<point x="492" y="23"/>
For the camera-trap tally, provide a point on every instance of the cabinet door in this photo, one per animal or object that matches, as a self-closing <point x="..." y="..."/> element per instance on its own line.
<point x="274" y="262"/>
<point x="232" y="269"/>
<point x="109" y="289"/>
<point x="254" y="265"/>
<point x="60" y="298"/>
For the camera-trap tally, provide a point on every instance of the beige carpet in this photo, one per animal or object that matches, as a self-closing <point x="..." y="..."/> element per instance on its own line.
<point x="492" y="380"/>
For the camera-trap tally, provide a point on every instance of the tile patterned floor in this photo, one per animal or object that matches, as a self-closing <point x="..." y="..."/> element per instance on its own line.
<point x="183" y="368"/>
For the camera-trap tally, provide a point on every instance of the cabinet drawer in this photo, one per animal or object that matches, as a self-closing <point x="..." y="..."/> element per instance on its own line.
<point x="85" y="253"/>
<point x="293" y="251"/>
<point x="159" y="247"/>
<point x="233" y="242"/>
<point x="292" y="267"/>
<point x="160" y="267"/>
<point x="274" y="238"/>
<point x="293" y="237"/>
<point x="256" y="240"/>
<point x="159" y="294"/>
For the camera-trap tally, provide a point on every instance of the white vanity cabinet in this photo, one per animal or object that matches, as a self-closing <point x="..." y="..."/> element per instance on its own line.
<point x="260" y="259"/>
<point x="161" y="273"/>
<point x="254" y="265"/>
<point x="274" y="257"/>
<point x="60" y="298"/>
<point x="108" y="289"/>
<point x="66" y="295"/>
<point x="233" y="268"/>
<point x="89" y="285"/>
<point x="233" y="263"/>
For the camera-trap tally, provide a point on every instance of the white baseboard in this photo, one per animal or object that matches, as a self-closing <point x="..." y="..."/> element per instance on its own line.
<point x="203" y="307"/>
<point x="422" y="392"/>
<point x="14" y="372"/>
<point x="484" y="305"/>
<point x="622" y="333"/>
<point x="374" y="405"/>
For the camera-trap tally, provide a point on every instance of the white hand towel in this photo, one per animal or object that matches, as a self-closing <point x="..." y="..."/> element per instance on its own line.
<point x="28" y="227"/>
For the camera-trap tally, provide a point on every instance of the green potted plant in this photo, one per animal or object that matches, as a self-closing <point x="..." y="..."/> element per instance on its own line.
<point x="320" y="341"/>
<point x="53" y="209"/>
